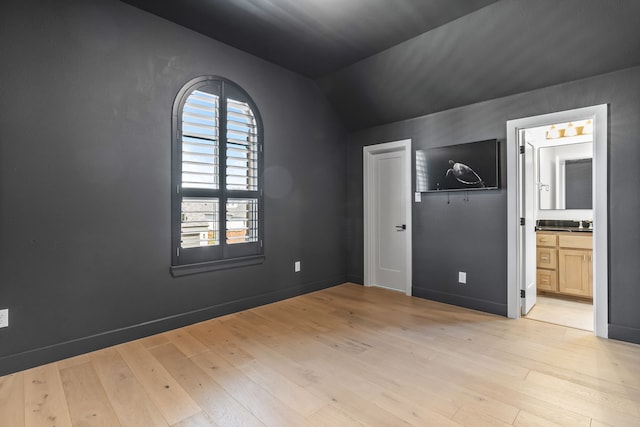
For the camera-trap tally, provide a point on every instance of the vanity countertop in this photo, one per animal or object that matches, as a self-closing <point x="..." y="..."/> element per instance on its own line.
<point x="567" y="229"/>
<point x="578" y="226"/>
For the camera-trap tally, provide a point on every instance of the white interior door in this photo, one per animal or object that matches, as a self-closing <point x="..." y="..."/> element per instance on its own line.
<point x="388" y="215"/>
<point x="390" y="221"/>
<point x="528" y="230"/>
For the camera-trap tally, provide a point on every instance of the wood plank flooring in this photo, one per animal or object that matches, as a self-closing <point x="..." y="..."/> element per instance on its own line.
<point x="565" y="312"/>
<point x="344" y="356"/>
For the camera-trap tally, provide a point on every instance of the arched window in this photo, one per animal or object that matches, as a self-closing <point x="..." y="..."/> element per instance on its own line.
<point x="217" y="206"/>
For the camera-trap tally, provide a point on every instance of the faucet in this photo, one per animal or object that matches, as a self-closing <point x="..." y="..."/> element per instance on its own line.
<point x="583" y="223"/>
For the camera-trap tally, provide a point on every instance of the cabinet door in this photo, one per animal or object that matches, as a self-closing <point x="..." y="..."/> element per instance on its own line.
<point x="546" y="258"/>
<point x="573" y="272"/>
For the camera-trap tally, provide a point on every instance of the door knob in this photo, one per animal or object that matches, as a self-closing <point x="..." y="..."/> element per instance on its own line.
<point x="401" y="227"/>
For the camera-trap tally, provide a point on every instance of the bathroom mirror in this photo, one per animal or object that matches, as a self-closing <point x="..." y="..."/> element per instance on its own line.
<point x="565" y="176"/>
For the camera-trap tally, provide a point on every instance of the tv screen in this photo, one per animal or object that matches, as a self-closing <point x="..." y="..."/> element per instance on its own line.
<point x="470" y="166"/>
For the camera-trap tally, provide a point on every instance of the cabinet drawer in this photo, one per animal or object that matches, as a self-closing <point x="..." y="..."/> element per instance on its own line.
<point x="576" y="241"/>
<point x="547" y="280"/>
<point x="546" y="258"/>
<point x="546" y="240"/>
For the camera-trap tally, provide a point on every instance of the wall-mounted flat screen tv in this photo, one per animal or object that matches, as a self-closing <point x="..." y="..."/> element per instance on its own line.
<point x="470" y="166"/>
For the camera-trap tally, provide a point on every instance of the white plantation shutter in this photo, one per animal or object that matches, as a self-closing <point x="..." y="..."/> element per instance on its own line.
<point x="200" y="117"/>
<point x="242" y="147"/>
<point x="199" y="222"/>
<point x="242" y="172"/>
<point x="200" y="142"/>
<point x="242" y="220"/>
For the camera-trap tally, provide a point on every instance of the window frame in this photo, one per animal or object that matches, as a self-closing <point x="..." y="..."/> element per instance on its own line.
<point x="193" y="260"/>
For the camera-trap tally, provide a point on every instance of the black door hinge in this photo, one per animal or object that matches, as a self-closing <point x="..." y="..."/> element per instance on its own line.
<point x="521" y="221"/>
<point x="522" y="149"/>
<point x="521" y="293"/>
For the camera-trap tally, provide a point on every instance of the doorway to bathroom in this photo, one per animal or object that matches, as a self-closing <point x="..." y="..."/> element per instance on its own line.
<point x="557" y="201"/>
<point x="558" y="177"/>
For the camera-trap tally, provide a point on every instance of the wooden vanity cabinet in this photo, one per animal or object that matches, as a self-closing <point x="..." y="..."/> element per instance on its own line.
<point x="564" y="263"/>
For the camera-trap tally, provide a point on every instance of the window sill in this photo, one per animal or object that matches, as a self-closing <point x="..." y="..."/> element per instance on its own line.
<point x="205" y="267"/>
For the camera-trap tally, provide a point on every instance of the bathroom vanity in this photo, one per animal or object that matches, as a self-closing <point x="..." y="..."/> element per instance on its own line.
<point x="564" y="260"/>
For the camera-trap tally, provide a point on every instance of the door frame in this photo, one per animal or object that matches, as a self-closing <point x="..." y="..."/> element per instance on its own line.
<point x="598" y="114"/>
<point x="370" y="233"/>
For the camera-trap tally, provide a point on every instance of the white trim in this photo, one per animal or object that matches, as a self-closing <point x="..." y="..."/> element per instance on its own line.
<point x="369" y="152"/>
<point x="598" y="114"/>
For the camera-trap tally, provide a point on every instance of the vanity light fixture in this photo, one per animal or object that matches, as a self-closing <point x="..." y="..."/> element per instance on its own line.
<point x="568" y="130"/>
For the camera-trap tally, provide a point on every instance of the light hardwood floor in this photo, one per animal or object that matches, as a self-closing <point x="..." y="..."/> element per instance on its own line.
<point x="562" y="311"/>
<point x="344" y="356"/>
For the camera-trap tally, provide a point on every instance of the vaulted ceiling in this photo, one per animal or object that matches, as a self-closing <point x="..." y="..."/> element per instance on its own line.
<point x="380" y="61"/>
<point x="311" y="37"/>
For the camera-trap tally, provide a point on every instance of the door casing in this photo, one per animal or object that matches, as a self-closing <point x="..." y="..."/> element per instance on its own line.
<point x="598" y="114"/>
<point x="369" y="153"/>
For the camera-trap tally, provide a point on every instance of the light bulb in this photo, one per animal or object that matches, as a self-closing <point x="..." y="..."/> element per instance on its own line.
<point x="570" y="130"/>
<point x="588" y="127"/>
<point x="553" y="133"/>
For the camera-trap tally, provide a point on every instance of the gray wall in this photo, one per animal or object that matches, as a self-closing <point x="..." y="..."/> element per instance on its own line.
<point x="85" y="105"/>
<point x="451" y="234"/>
<point x="505" y="48"/>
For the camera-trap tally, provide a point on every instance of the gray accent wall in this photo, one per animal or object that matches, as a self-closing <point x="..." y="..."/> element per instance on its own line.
<point x="86" y="90"/>
<point x="468" y="232"/>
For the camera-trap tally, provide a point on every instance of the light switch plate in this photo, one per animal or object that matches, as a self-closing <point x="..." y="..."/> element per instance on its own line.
<point x="4" y="318"/>
<point x="462" y="277"/>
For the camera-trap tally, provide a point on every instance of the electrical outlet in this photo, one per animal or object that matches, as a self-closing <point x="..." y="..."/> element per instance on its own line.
<point x="297" y="266"/>
<point x="4" y="318"/>
<point x="462" y="277"/>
